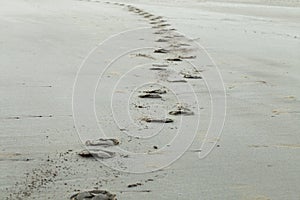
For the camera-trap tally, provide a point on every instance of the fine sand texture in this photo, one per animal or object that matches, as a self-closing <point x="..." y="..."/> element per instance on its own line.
<point x="143" y="73"/>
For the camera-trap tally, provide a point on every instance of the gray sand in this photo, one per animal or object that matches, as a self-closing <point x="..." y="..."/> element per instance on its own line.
<point x="256" y="47"/>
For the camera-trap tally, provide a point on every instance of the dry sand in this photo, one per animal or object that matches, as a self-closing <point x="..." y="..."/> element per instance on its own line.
<point x="256" y="46"/>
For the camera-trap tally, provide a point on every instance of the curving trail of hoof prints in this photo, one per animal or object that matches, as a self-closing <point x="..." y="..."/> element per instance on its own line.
<point x="171" y="49"/>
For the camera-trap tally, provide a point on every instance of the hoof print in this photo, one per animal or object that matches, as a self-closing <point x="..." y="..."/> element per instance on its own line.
<point x="102" y="142"/>
<point x="147" y="16"/>
<point x="157" y="68"/>
<point x="179" y="45"/>
<point x="164" y="25"/>
<point x="156" y="18"/>
<point x="159" y="32"/>
<point x="174" y="59"/>
<point x="85" y="153"/>
<point x="161" y="25"/>
<point x="181" y="111"/>
<point x="94" y="195"/>
<point x="177" y="81"/>
<point x="156" y="91"/>
<point x="160" y="65"/>
<point x="178" y="36"/>
<point x="161" y="51"/>
<point x="134" y="185"/>
<point x="150" y="120"/>
<point x="151" y="96"/>
<point x="144" y="56"/>
<point x="98" y="153"/>
<point x="161" y="40"/>
<point x="190" y="76"/>
<point x="157" y="22"/>
<point x="187" y="57"/>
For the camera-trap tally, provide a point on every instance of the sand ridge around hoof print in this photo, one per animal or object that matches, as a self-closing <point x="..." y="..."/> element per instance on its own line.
<point x="100" y="148"/>
<point x="102" y="142"/>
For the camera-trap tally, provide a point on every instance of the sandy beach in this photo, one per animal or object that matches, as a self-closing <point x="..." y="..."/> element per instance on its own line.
<point x="150" y="99"/>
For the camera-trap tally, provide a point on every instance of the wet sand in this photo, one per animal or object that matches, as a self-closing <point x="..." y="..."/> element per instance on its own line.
<point x="255" y="46"/>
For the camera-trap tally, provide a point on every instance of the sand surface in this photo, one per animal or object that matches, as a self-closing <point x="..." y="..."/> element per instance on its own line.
<point x="48" y="111"/>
